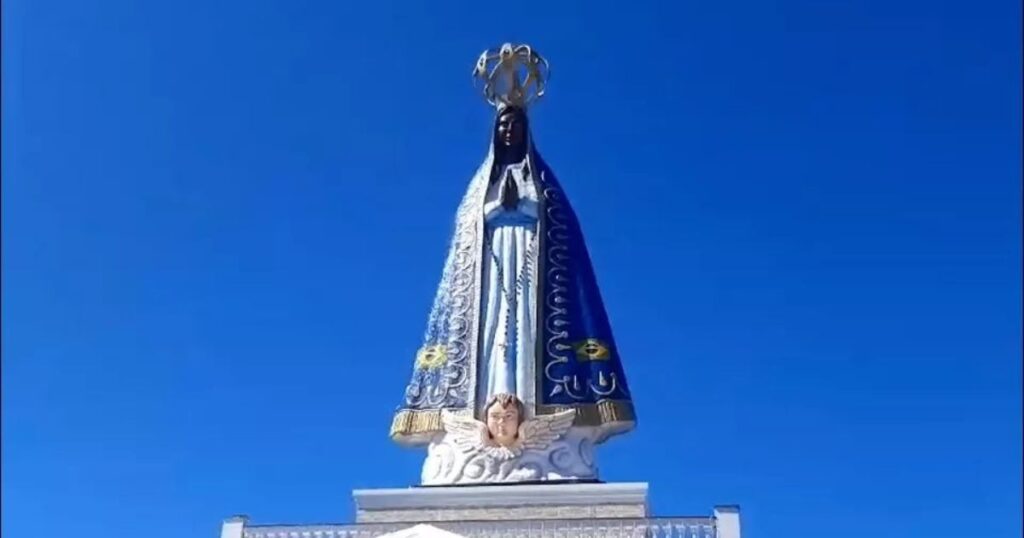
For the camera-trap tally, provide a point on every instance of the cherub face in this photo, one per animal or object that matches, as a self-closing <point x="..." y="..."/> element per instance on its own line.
<point x="503" y="423"/>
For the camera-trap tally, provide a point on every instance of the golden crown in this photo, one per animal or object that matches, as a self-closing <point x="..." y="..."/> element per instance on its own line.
<point x="511" y="75"/>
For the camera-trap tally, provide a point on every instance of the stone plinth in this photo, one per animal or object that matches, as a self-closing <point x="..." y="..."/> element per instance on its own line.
<point x="524" y="510"/>
<point x="501" y="502"/>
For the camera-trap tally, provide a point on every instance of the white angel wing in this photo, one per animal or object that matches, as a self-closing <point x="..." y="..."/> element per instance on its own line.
<point x="542" y="430"/>
<point x="468" y="433"/>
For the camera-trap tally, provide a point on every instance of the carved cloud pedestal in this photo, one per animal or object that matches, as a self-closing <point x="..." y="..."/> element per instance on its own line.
<point x="571" y="457"/>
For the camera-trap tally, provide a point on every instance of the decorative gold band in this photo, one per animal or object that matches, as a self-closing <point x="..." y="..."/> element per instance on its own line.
<point x="411" y="422"/>
<point x="599" y="414"/>
<point x="414" y="422"/>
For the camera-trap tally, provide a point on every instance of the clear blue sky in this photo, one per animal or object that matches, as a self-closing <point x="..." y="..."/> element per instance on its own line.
<point x="223" y="223"/>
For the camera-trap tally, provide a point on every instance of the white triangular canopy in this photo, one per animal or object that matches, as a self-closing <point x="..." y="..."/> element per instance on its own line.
<point x="422" y="531"/>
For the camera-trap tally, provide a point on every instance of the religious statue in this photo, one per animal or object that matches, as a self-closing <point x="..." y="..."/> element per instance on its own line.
<point x="518" y="327"/>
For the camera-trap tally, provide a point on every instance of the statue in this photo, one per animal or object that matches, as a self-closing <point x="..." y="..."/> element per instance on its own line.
<point x="517" y="318"/>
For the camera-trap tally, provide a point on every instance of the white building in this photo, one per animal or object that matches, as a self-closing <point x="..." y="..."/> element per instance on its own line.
<point x="507" y="510"/>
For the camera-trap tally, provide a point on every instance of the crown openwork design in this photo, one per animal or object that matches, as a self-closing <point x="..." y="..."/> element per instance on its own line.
<point x="512" y="75"/>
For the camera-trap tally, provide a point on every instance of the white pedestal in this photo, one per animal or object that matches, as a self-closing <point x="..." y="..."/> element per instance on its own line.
<point x="571" y="457"/>
<point x="546" y="510"/>
<point x="502" y="502"/>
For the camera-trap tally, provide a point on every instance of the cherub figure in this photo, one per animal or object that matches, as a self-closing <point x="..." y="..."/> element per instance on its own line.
<point x="505" y="434"/>
<point x="504" y="413"/>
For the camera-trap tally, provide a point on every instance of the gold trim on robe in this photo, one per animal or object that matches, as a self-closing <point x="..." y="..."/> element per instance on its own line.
<point x="414" y="423"/>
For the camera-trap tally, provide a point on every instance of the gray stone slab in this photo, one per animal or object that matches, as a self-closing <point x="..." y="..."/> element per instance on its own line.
<point x="502" y="502"/>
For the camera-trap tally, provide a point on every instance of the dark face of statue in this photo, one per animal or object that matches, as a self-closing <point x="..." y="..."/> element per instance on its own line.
<point x="510" y="129"/>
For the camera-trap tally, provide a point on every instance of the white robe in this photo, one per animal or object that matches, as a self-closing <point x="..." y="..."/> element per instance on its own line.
<point x="508" y="309"/>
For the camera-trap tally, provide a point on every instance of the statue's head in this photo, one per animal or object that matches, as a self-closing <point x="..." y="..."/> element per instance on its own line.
<point x="511" y="132"/>
<point x="503" y="413"/>
<point x="511" y="128"/>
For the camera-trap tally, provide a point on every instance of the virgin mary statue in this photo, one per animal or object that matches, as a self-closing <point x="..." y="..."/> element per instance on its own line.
<point x="518" y="309"/>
